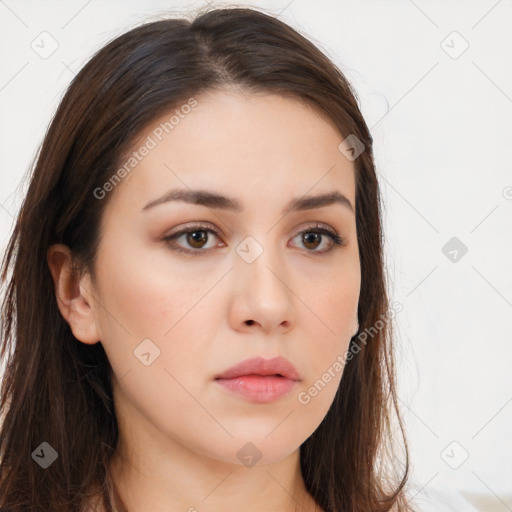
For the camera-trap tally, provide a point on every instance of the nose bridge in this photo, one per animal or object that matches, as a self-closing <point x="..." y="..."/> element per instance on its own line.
<point x="260" y="272"/>
<point x="260" y="259"/>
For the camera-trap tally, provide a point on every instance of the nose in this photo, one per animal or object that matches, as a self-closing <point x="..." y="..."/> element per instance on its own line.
<point x="263" y="296"/>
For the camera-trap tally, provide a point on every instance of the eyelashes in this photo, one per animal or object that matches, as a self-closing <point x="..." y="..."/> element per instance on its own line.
<point x="318" y="229"/>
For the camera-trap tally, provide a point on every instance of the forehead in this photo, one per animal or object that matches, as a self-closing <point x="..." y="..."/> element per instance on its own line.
<point x="245" y="144"/>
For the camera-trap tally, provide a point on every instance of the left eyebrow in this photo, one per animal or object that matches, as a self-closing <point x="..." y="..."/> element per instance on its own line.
<point x="218" y="201"/>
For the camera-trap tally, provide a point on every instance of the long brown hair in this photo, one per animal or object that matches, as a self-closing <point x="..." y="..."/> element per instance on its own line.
<point x="57" y="390"/>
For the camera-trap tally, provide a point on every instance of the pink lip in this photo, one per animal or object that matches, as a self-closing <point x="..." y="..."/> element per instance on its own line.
<point x="260" y="380"/>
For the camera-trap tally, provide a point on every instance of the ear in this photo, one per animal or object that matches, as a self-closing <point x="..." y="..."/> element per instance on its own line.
<point x="74" y="295"/>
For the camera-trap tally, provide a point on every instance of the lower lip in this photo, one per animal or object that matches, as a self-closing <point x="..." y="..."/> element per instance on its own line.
<point x="258" y="388"/>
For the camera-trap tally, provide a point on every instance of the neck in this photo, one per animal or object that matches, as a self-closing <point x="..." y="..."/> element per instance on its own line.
<point x="195" y="483"/>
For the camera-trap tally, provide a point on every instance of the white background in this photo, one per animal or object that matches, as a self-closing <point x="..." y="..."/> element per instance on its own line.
<point x="442" y="134"/>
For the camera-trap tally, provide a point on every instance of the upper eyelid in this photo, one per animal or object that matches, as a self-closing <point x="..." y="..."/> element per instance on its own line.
<point x="200" y="226"/>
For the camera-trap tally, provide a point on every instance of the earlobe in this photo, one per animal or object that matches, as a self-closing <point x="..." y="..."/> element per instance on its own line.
<point x="72" y="295"/>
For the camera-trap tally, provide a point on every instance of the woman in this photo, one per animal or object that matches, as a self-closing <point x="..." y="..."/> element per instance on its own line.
<point x="195" y="270"/>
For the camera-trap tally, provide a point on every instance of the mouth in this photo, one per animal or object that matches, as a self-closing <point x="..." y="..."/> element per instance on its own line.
<point x="258" y="388"/>
<point x="260" y="380"/>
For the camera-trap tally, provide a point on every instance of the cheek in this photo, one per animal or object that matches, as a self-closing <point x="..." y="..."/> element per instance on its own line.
<point x="333" y="322"/>
<point x="335" y="304"/>
<point x="147" y="294"/>
<point x="146" y="298"/>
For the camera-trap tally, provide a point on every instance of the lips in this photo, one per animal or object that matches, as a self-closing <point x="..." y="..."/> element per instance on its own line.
<point x="260" y="380"/>
<point x="278" y="366"/>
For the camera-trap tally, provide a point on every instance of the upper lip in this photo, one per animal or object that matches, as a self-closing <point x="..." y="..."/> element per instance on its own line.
<point x="261" y="366"/>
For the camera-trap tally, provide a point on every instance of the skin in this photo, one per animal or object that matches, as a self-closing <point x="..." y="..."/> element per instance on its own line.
<point x="179" y="430"/>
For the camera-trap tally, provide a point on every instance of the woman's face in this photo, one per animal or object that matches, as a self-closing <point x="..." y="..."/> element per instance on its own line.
<point x="253" y="281"/>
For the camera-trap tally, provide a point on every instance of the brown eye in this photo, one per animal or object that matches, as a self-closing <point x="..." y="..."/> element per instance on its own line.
<point x="312" y="239"/>
<point x="196" y="239"/>
<point x="191" y="240"/>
